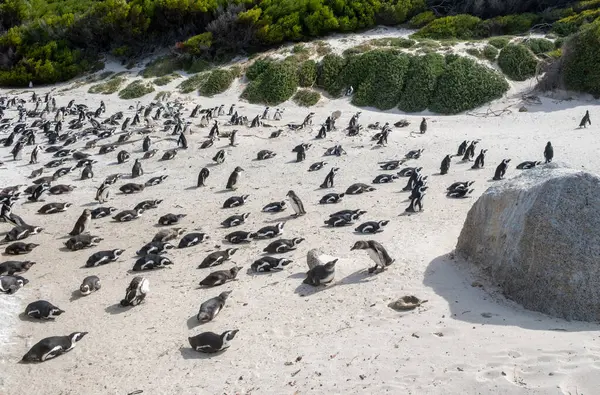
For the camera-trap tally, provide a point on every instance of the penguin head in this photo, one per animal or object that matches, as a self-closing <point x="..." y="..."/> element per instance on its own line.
<point x="84" y="289"/>
<point x="224" y="295"/>
<point x="140" y="211"/>
<point x="229" y="335"/>
<point x="252" y="235"/>
<point x="330" y="266"/>
<point x="31" y="246"/>
<point x="359" y="245"/>
<point x="36" y="230"/>
<point x="245" y="215"/>
<point x="238" y="169"/>
<point x="234" y="270"/>
<point x="167" y="246"/>
<point x="245" y="197"/>
<point x="76" y="336"/>
<point x="117" y="252"/>
<point x="231" y="251"/>
<point x="384" y="222"/>
<point x="297" y="240"/>
<point x="280" y="225"/>
<point x="284" y="262"/>
<point x="56" y="312"/>
<point x="165" y="261"/>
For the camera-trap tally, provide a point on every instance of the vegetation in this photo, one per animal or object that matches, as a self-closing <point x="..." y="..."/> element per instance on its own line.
<point x="328" y="76"/>
<point x="307" y="73"/>
<point x="306" y="97"/>
<point x="111" y="86"/>
<point x="217" y="81"/>
<point x="490" y="53"/>
<point x="164" y="80"/>
<point x="518" y="62"/>
<point x="499" y="42"/>
<point x="135" y="89"/>
<point x="539" y="45"/>
<point x="421" y="81"/>
<point x="193" y="83"/>
<point x="459" y="26"/>
<point x="276" y="83"/>
<point x="393" y="42"/>
<point x="581" y="59"/>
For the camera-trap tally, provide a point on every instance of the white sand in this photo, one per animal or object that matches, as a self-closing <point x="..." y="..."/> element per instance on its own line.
<point x="462" y="341"/>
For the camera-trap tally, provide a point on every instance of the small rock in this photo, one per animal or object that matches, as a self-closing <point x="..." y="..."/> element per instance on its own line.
<point x="477" y="284"/>
<point x="486" y="315"/>
<point x="523" y="109"/>
<point x="362" y="376"/>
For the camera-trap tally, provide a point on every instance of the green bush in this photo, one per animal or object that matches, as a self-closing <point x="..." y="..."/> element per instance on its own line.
<point x="164" y="80"/>
<point x="459" y="26"/>
<point x="193" y="83"/>
<point x="195" y="65"/>
<point x="111" y="86"/>
<point x="581" y="60"/>
<point x="517" y="62"/>
<point x="217" y="81"/>
<point x="306" y="98"/>
<point x="490" y="53"/>
<point x="307" y="73"/>
<point x="328" y="76"/>
<point x="571" y="24"/>
<point x="258" y="67"/>
<point x="399" y="42"/>
<point x="508" y="25"/>
<point x="162" y="66"/>
<point x="475" y="52"/>
<point x="421" y="80"/>
<point x="499" y="42"/>
<point x="274" y="86"/>
<point x="422" y="19"/>
<point x="322" y="48"/>
<point x="198" y="45"/>
<point x="465" y="85"/>
<point x="539" y="45"/>
<point x="135" y="89"/>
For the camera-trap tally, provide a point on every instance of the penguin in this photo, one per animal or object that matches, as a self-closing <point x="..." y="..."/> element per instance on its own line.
<point x="359" y="188"/>
<point x="204" y="173"/>
<point x="337" y="222"/>
<point x="316" y="166"/>
<point x="235" y="220"/>
<point x="155" y="247"/>
<point x="156" y="180"/>
<point x="128" y="215"/>
<point x="548" y="152"/>
<point x="60" y="189"/>
<point x="416" y="200"/>
<point x="11" y="284"/>
<point x="21" y="232"/>
<point x="148" y="204"/>
<point x="283" y="245"/>
<point x="265" y="154"/>
<point x="168" y="234"/>
<point x="192" y="239"/>
<point x="414" y="154"/>
<point x="34" y="155"/>
<point x="113" y="178"/>
<point x="42" y="310"/>
<point x="331" y="198"/>
<point x="36" y="173"/>
<point x="232" y="138"/>
<point x="150" y="262"/>
<point x="11" y="268"/>
<point x="136" y="170"/>
<point x="105" y="149"/>
<point x="328" y="182"/>
<point x="349" y="215"/>
<point x="52" y="208"/>
<point x="232" y="182"/>
<point x="459" y="193"/>
<point x="480" y="160"/>
<point x="19" y="248"/>
<point x="296" y="204"/>
<point x="269" y="264"/>
<point x="101" y="212"/>
<point x="209" y="309"/>
<point x="275" y="207"/>
<point x="87" y="172"/>
<point x="89" y="285"/>
<point x="445" y="166"/>
<point x="371" y="226"/>
<point x="240" y="236"/>
<point x="52" y="347"/>
<point x="268" y="232"/>
<point x="384" y="179"/>
<point x="38" y="192"/>
<point x="414" y="176"/>
<point x="182" y="141"/>
<point x="170" y="219"/>
<point x="146" y="144"/>
<point x="528" y="165"/>
<point x="460" y="185"/>
<point x="423" y="126"/>
<point x="585" y="120"/>
<point x="235" y="201"/>
<point x="217" y="258"/>
<point x="76" y="243"/>
<point x="390" y="165"/>
<point x="501" y="170"/>
<point x="150" y="154"/>
<point x="209" y="342"/>
<point x="470" y="151"/>
<point x="82" y="223"/>
<point x="276" y="134"/>
<point x="102" y="193"/>
<point x="103" y="257"/>
<point x="321" y="274"/>
<point x="220" y="277"/>
<point x="462" y="148"/>
<point x="136" y="291"/>
<point x="376" y="252"/>
<point x="62" y="172"/>
<point x="123" y="156"/>
<point x="300" y="154"/>
<point x="219" y="156"/>
<point x="130" y="188"/>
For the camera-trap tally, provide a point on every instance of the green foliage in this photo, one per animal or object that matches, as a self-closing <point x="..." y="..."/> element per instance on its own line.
<point x="475" y="52"/>
<point x="111" y="86"/>
<point x="464" y="85"/>
<point x="539" y="45"/>
<point x="399" y="42"/>
<point x="499" y="42"/>
<point x="274" y="85"/>
<point x="162" y="96"/>
<point x="258" y="67"/>
<point x="459" y="26"/>
<point x="571" y="24"/>
<point x="490" y="53"/>
<point x="580" y="62"/>
<point x="135" y="89"/>
<point x="322" y="48"/>
<point x="508" y="25"/>
<point x="193" y="83"/>
<point x="306" y="97"/>
<point x="358" y="49"/>
<point x="517" y="62"/>
<point x="307" y="73"/>
<point x="421" y="80"/>
<point x="162" y="66"/>
<point x="300" y="48"/>
<point x="199" y="44"/>
<point x="217" y="81"/>
<point x="329" y="72"/>
<point x="166" y="79"/>
<point x="422" y="19"/>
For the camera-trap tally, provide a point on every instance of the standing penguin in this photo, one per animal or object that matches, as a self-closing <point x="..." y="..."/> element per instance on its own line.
<point x="102" y="193"/>
<point x="470" y="151"/>
<point x="296" y="204"/>
<point x="445" y="166"/>
<point x="480" y="160"/>
<point x="462" y="148"/>
<point x="300" y="153"/>
<point x="136" y="170"/>
<point x="548" y="152"/>
<point x="82" y="223"/>
<point x="232" y="138"/>
<point x="423" y="126"/>
<point x="182" y="141"/>
<point x="234" y="178"/>
<point x="376" y="252"/>
<point x="328" y="183"/>
<point x="501" y="170"/>
<point x="585" y="120"/>
<point x="87" y="172"/>
<point x="202" y="176"/>
<point x="34" y="155"/>
<point x="146" y="144"/>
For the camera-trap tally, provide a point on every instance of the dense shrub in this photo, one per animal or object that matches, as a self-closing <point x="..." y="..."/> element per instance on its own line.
<point x="539" y="45"/>
<point x="258" y="67"/>
<point x="162" y="66"/>
<point x="217" y="81"/>
<point x="199" y="44"/>
<point x="421" y="19"/>
<point x="399" y="42"/>
<point x="306" y="97"/>
<point x="459" y="26"/>
<point x="135" y="89"/>
<point x="111" y="86"/>
<point x="508" y="25"/>
<point x="517" y="62"/>
<point x="193" y="83"/>
<point x="329" y="71"/>
<point x="581" y="59"/>
<point x="499" y="42"/>
<point x="274" y="86"/>
<point x="464" y="85"/>
<point x="421" y="80"/>
<point x="307" y="73"/>
<point x="571" y="24"/>
<point x="490" y="53"/>
<point x="165" y="79"/>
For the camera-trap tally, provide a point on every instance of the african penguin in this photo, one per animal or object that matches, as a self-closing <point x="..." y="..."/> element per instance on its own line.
<point x="233" y="180"/>
<point x="136" y="291"/>
<point x="82" y="223"/>
<point x="42" y="310"/>
<point x="192" y="239"/>
<point x="501" y="170"/>
<point x="220" y="277"/>
<point x="209" y="342"/>
<point x="296" y="204"/>
<point x="274" y="207"/>
<point x="209" y="309"/>
<point x="217" y="258"/>
<point x="89" y="285"/>
<point x="269" y="263"/>
<point x="51" y="347"/>
<point x="283" y="245"/>
<point x="377" y="253"/>
<point x="103" y="257"/>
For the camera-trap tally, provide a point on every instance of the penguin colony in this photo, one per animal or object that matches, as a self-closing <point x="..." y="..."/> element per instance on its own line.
<point x="62" y="141"/>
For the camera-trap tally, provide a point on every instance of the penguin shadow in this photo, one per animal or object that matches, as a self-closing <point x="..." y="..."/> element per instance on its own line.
<point x="193" y="187"/>
<point x="358" y="277"/>
<point x="280" y="219"/>
<point x="300" y="275"/>
<point x="226" y="191"/>
<point x="64" y="249"/>
<point x="193" y="322"/>
<point x="89" y="204"/>
<point x="293" y="161"/>
<point x="190" y="353"/>
<point x="117" y="309"/>
<point x="75" y="295"/>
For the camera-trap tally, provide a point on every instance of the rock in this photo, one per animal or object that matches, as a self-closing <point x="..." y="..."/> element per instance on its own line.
<point x="406" y="303"/>
<point x="537" y="237"/>
<point x="523" y="109"/>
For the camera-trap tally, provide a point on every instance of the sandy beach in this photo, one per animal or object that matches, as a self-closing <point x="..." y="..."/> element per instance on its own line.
<point x="293" y="338"/>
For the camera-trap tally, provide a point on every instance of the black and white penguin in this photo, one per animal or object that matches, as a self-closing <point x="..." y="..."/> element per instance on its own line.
<point x="156" y="180"/>
<point x="219" y="156"/>
<point x="11" y="268"/>
<point x="349" y="215"/>
<point x="359" y="188"/>
<point x="128" y="215"/>
<point x="460" y="185"/>
<point x="217" y="258"/>
<point x="101" y="212"/>
<point x="371" y="226"/>
<point x="131" y="187"/>
<point x="21" y="232"/>
<point x="136" y="170"/>
<point x="548" y="152"/>
<point x="51" y="347"/>
<point x="52" y="208"/>
<point x="528" y="165"/>
<point x="416" y="200"/>
<point x="150" y="262"/>
<point x="376" y="252"/>
<point x="209" y="342"/>
<point x="501" y="170"/>
<point x="155" y="247"/>
<point x="384" y="178"/>
<point x="235" y="220"/>
<point x="36" y="173"/>
<point x="105" y="149"/>
<point x="321" y="274"/>
<point x="240" y="236"/>
<point x="233" y="138"/>
<point x="233" y="180"/>
<point x="113" y="178"/>
<point x="480" y="160"/>
<point x="182" y="141"/>
<point x="149" y="154"/>
<point x="585" y="120"/>
<point x="123" y="156"/>
<point x="87" y="172"/>
<point x="61" y="189"/>
<point x="390" y="165"/>
<point x="169" y="154"/>
<point x="270" y="231"/>
<point x="34" y="155"/>
<point x="192" y="239"/>
<point x="462" y="148"/>
<point x="283" y="245"/>
<point x="209" y="309"/>
<point x="331" y="198"/>
<point x="89" y="284"/>
<point x="220" y="277"/>
<point x="42" y="310"/>
<point x="38" y="191"/>
<point x="300" y="153"/>
<point x="328" y="182"/>
<point x="414" y="154"/>
<point x="170" y="219"/>
<point x="296" y="204"/>
<point x="470" y="151"/>
<point x="459" y="193"/>
<point x="148" y="204"/>
<point x="103" y="257"/>
<point x="63" y="171"/>
<point x="269" y="264"/>
<point x="338" y="222"/>
<point x="316" y="166"/>
<point x="136" y="291"/>
<point x="275" y="207"/>
<point x="423" y="126"/>
<point x="265" y="154"/>
<point x="20" y="248"/>
<point x="204" y="173"/>
<point x="146" y="144"/>
<point x="235" y="201"/>
<point x="445" y="166"/>
<point x="11" y="284"/>
<point x="412" y="180"/>
<point x="79" y="242"/>
<point x="82" y="223"/>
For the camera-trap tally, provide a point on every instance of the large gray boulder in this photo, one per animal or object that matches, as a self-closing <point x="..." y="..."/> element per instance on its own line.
<point x="537" y="237"/>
